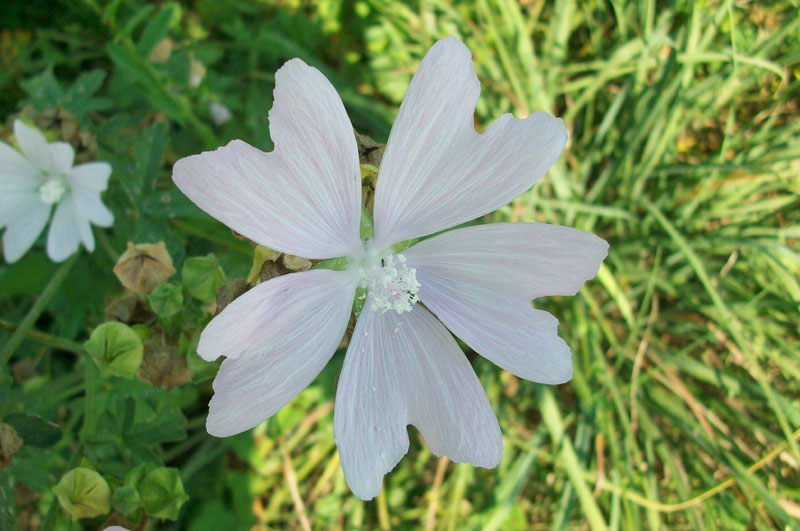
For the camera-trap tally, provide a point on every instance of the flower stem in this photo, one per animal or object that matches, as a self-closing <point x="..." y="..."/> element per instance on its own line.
<point x="7" y="350"/>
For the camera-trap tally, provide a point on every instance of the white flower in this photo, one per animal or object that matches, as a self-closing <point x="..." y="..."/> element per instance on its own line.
<point x="402" y="366"/>
<point x="220" y="114"/>
<point x="41" y="177"/>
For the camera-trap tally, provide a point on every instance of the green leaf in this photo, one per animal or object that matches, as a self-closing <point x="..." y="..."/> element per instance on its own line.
<point x="34" y="430"/>
<point x="83" y="493"/>
<point x="166" y="300"/>
<point x="132" y="65"/>
<point x="44" y="90"/>
<point x="202" y="276"/>
<point x="116" y="349"/>
<point x="158" y="27"/>
<point x="149" y="152"/>
<point x="78" y="99"/>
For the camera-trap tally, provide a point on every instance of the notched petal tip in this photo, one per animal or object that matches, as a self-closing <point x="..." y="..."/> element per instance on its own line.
<point x="217" y="425"/>
<point x="184" y="170"/>
<point x="204" y="350"/>
<point x="33" y="144"/>
<point x="303" y="197"/>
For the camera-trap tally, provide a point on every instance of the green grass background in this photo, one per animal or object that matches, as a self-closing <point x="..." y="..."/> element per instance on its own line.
<point x="683" y="154"/>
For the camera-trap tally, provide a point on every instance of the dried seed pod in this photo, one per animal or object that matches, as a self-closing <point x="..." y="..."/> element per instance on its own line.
<point x="162" y="365"/>
<point x="144" y="266"/>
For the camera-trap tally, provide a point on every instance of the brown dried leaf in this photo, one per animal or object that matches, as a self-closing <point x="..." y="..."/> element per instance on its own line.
<point x="162" y="50"/>
<point x="144" y="266"/>
<point x="10" y="443"/>
<point x="129" y="309"/>
<point x="267" y="264"/>
<point x="295" y="263"/>
<point x="229" y="291"/>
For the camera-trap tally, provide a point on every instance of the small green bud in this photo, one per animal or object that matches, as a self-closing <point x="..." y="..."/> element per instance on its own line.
<point x="126" y="500"/>
<point x="83" y="493"/>
<point x="166" y="300"/>
<point x="116" y="349"/>
<point x="202" y="276"/>
<point x="160" y="488"/>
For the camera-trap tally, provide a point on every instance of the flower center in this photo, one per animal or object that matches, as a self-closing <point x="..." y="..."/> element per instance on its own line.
<point x="53" y="190"/>
<point x="390" y="283"/>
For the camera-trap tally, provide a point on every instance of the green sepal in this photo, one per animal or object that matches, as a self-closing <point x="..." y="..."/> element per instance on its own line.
<point x="367" y="227"/>
<point x="402" y="246"/>
<point x="359" y="301"/>
<point x="336" y="264"/>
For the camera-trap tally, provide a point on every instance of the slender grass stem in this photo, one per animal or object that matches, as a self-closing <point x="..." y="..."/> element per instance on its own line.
<point x="45" y="339"/>
<point x="552" y="417"/>
<point x="681" y="506"/>
<point x="7" y="350"/>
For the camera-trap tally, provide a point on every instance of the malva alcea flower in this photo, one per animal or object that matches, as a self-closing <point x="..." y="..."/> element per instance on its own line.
<point x="402" y="365"/>
<point x="40" y="178"/>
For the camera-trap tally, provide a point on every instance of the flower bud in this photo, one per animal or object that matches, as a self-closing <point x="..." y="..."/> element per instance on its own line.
<point x="166" y="300"/>
<point x="83" y="493"/>
<point x="127" y="500"/>
<point x="160" y="488"/>
<point x="116" y="349"/>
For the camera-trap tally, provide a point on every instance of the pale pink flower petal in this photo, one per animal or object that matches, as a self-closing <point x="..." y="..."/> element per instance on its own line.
<point x="16" y="169"/>
<point x="24" y="220"/>
<point x="480" y="280"/>
<point x="278" y="336"/>
<point x="63" y="155"/>
<point x="400" y="369"/>
<point x="16" y="201"/>
<point x="67" y="229"/>
<point x="34" y="146"/>
<point x="92" y="175"/>
<point x="304" y="197"/>
<point x="437" y="171"/>
<point x="91" y="207"/>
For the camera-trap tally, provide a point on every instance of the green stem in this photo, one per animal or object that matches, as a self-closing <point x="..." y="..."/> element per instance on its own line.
<point x="90" y="402"/>
<point x="555" y="425"/>
<point x="46" y="339"/>
<point x="7" y="350"/>
<point x="105" y="243"/>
